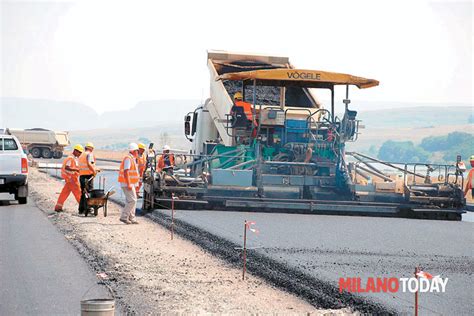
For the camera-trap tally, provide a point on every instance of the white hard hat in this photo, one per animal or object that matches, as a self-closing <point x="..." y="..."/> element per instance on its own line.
<point x="132" y="147"/>
<point x="166" y="147"/>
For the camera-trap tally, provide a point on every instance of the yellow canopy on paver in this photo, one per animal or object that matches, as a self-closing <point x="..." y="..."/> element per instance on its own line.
<point x="300" y="77"/>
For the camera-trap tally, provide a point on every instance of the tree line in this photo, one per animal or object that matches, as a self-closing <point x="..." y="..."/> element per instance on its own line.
<point x="431" y="149"/>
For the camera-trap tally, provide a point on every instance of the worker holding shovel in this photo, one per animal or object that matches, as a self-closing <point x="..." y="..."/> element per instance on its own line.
<point x="87" y="172"/>
<point x="141" y="164"/>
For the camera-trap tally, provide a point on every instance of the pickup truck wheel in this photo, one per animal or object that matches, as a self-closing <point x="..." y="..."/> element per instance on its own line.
<point x="35" y="152"/>
<point x="22" y="200"/>
<point x="58" y="155"/>
<point x="47" y="153"/>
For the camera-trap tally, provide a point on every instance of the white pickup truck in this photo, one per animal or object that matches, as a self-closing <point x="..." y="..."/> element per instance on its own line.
<point x="13" y="168"/>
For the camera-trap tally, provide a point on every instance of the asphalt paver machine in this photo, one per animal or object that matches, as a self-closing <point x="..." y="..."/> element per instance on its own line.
<point x="289" y="153"/>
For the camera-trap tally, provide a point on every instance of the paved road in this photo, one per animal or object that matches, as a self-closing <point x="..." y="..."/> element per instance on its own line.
<point x="40" y="272"/>
<point x="330" y="247"/>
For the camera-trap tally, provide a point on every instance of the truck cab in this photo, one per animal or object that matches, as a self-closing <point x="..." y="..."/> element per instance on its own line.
<point x="13" y="168"/>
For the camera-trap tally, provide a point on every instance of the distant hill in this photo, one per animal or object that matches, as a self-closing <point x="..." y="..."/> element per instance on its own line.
<point x="419" y="117"/>
<point x="150" y="113"/>
<point x="56" y="115"/>
<point x="161" y="119"/>
<point x="62" y="115"/>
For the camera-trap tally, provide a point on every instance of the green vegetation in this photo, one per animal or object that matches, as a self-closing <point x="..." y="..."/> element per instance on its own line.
<point x="431" y="149"/>
<point x="402" y="152"/>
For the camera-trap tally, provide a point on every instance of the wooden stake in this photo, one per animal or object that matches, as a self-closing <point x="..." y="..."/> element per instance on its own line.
<point x="172" y="215"/>
<point x="244" y="249"/>
<point x="416" y="293"/>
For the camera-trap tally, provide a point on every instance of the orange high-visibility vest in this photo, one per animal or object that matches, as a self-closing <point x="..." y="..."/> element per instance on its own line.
<point x="83" y="166"/>
<point x="470" y="179"/>
<point x="68" y="174"/>
<point x="247" y="108"/>
<point x="161" y="162"/>
<point x="141" y="160"/>
<point x="132" y="172"/>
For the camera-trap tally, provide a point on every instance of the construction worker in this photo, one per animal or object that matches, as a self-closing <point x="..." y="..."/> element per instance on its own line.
<point x="470" y="179"/>
<point x="141" y="161"/>
<point x="129" y="179"/>
<point x="70" y="174"/>
<point x="166" y="161"/>
<point x="87" y="170"/>
<point x="247" y="107"/>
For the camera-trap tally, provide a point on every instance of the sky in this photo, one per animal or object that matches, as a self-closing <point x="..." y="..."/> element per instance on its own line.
<point x="112" y="54"/>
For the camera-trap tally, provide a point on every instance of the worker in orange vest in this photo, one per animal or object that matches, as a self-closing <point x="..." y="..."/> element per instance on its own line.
<point x="129" y="179"/>
<point x="470" y="179"/>
<point x="166" y="161"/>
<point x="87" y="170"/>
<point x="141" y="161"/>
<point x="70" y="174"/>
<point x="247" y="109"/>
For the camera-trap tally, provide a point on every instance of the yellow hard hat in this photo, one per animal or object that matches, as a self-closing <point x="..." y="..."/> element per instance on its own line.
<point x="472" y="158"/>
<point x="141" y="146"/>
<point x="238" y="96"/>
<point x="79" y="147"/>
<point x="89" y="145"/>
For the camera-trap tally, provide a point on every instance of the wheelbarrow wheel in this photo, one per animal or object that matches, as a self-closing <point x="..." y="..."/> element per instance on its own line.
<point x="96" y="211"/>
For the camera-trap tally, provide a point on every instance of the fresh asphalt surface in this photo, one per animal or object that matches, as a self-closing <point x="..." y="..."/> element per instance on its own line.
<point x="40" y="272"/>
<point x="331" y="247"/>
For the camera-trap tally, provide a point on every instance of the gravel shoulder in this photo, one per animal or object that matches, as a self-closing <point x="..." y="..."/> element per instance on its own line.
<point x="152" y="274"/>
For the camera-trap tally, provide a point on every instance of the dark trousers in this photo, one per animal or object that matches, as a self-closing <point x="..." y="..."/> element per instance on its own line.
<point x="87" y="185"/>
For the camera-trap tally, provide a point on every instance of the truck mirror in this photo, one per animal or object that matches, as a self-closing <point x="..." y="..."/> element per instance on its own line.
<point x="187" y="125"/>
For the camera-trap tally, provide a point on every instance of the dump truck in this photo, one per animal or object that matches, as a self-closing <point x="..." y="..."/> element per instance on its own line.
<point x="41" y="142"/>
<point x="288" y="152"/>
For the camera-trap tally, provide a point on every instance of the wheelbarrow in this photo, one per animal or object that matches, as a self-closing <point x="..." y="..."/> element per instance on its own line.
<point x="97" y="198"/>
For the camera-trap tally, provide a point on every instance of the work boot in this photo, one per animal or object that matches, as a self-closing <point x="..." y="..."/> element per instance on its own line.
<point x="126" y="221"/>
<point x="58" y="210"/>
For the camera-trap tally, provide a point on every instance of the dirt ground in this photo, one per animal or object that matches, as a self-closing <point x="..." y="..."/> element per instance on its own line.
<point x="151" y="274"/>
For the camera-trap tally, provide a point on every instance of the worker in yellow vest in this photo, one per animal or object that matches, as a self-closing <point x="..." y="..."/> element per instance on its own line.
<point x="470" y="179"/>
<point x="129" y="179"/>
<point x="141" y="161"/>
<point x="70" y="174"/>
<point x="87" y="170"/>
